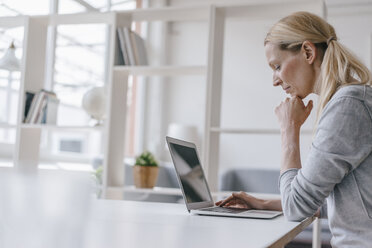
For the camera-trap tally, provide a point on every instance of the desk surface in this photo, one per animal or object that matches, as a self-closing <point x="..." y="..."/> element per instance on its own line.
<point x="143" y="224"/>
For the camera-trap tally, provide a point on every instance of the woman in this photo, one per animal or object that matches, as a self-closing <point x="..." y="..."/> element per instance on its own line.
<point x="306" y="57"/>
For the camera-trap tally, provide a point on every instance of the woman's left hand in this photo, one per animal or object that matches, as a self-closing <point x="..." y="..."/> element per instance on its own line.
<point x="292" y="113"/>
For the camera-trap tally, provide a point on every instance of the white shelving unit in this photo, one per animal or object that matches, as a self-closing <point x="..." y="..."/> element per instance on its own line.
<point x="33" y="69"/>
<point x="27" y="149"/>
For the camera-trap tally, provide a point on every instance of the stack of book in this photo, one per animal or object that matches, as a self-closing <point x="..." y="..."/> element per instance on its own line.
<point x="41" y="107"/>
<point x="132" y="47"/>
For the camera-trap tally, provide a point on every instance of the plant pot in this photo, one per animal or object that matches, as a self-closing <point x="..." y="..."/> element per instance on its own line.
<point x="145" y="176"/>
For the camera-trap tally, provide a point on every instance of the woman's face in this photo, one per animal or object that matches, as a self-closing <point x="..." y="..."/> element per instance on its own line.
<point x="291" y="70"/>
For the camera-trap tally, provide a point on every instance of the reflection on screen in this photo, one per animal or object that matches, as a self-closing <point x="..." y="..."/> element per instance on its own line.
<point x="190" y="173"/>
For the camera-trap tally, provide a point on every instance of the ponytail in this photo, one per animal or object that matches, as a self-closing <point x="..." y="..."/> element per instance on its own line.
<point x="339" y="68"/>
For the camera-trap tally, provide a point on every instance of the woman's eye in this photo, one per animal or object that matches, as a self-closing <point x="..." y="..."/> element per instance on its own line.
<point x="277" y="67"/>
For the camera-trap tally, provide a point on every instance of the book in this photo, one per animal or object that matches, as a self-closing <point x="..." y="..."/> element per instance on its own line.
<point x="139" y="49"/>
<point x="129" y="46"/>
<point x="50" y="111"/>
<point x="43" y="107"/>
<point x="28" y="101"/>
<point x="122" y="47"/>
<point x="35" y="107"/>
<point x="132" y="47"/>
<point x="40" y="110"/>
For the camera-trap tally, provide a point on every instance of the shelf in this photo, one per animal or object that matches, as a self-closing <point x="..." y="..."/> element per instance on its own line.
<point x="251" y="131"/>
<point x="62" y="128"/>
<point x="12" y="21"/>
<point x="155" y="190"/>
<point x="265" y="10"/>
<point x="7" y="126"/>
<point x="66" y="166"/>
<point x="82" y="18"/>
<point x="162" y="70"/>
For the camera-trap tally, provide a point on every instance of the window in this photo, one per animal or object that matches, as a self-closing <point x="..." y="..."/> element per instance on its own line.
<point x="77" y="56"/>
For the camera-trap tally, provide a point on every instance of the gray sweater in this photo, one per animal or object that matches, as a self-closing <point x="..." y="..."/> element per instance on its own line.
<point x="339" y="169"/>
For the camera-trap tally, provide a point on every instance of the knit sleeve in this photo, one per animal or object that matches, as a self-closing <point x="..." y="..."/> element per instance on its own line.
<point x="342" y="142"/>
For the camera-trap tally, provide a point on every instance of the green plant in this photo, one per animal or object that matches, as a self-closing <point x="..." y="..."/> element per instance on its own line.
<point x="98" y="174"/>
<point x="97" y="179"/>
<point x="146" y="159"/>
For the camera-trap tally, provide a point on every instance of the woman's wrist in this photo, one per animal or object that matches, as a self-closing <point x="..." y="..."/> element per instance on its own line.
<point x="290" y="149"/>
<point x="290" y="137"/>
<point x="265" y="205"/>
<point x="271" y="205"/>
<point x="290" y="129"/>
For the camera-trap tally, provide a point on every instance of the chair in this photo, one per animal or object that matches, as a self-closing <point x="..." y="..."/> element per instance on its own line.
<point x="250" y="180"/>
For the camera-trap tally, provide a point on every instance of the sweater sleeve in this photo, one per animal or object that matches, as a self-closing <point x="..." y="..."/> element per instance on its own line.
<point x="342" y="142"/>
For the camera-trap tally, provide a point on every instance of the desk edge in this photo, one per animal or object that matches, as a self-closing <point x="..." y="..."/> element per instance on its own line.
<point x="292" y="234"/>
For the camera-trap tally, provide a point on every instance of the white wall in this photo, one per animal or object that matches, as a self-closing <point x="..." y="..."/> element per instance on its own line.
<point x="249" y="98"/>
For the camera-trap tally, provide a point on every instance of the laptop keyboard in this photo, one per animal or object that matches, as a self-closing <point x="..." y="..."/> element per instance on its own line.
<point x="223" y="210"/>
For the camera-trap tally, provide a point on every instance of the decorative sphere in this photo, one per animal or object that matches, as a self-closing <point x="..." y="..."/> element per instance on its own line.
<point x="94" y="102"/>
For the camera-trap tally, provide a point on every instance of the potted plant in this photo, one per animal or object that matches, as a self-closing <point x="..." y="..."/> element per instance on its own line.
<point x="145" y="171"/>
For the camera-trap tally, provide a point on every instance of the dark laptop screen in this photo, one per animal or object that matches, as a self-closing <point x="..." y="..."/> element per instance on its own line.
<point x="190" y="173"/>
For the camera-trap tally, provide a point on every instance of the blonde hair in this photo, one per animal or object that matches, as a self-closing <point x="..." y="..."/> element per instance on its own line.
<point x="339" y="66"/>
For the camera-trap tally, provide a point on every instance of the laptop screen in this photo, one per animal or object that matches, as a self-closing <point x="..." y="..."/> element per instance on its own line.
<point x="190" y="173"/>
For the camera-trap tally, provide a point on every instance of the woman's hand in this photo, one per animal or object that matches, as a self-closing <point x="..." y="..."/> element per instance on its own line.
<point x="292" y="113"/>
<point x="241" y="200"/>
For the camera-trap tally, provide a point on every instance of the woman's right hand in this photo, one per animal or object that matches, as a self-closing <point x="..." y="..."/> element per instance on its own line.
<point x="292" y="113"/>
<point x="241" y="200"/>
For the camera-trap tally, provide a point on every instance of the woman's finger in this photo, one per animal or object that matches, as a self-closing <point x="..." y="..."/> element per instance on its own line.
<point x="228" y="199"/>
<point x="241" y="195"/>
<point x="309" y="107"/>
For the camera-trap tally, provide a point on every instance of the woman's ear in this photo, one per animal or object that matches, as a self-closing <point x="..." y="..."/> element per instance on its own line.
<point x="309" y="51"/>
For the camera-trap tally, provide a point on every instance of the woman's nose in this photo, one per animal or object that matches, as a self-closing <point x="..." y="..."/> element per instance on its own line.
<point x="276" y="81"/>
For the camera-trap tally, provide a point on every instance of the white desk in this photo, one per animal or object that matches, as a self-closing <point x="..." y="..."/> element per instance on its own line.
<point x="144" y="225"/>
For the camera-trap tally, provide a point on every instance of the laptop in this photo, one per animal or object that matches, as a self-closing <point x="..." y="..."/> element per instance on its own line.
<point x="195" y="188"/>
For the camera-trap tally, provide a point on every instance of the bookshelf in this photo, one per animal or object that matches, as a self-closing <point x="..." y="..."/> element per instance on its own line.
<point x="27" y="150"/>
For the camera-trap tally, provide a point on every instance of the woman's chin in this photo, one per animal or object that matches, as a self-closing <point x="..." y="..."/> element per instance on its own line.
<point x="294" y="94"/>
